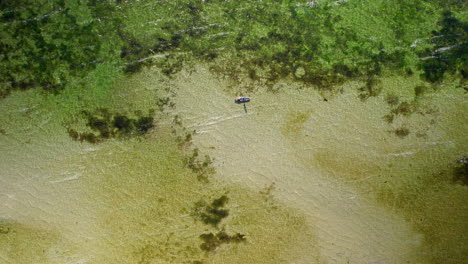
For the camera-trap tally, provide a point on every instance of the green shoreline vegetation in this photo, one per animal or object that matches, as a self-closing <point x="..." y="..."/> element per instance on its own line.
<point x="320" y="43"/>
<point x="87" y="69"/>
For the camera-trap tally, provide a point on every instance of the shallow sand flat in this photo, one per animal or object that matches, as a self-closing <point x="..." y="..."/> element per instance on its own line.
<point x="122" y="201"/>
<point x="81" y="203"/>
<point x="254" y="149"/>
<point x="119" y="211"/>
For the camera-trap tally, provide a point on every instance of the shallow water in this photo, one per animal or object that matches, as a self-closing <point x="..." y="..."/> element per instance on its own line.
<point x="312" y="174"/>
<point x="331" y="159"/>
<point x="308" y="180"/>
<point x="123" y="200"/>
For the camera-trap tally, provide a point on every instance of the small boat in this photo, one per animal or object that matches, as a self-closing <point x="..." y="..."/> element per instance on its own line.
<point x="242" y="99"/>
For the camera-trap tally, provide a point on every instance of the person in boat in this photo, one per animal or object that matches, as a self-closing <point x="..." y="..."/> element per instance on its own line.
<point x="242" y="99"/>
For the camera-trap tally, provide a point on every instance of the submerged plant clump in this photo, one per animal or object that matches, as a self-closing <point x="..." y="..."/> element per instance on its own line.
<point x="212" y="241"/>
<point x="403" y="108"/>
<point x="104" y="125"/>
<point x="402" y="132"/>
<point x="4" y="229"/>
<point x="392" y="99"/>
<point x="460" y="172"/>
<point x="183" y="137"/>
<point x="202" y="167"/>
<point x="372" y="88"/>
<point x="213" y="213"/>
<point x="420" y="90"/>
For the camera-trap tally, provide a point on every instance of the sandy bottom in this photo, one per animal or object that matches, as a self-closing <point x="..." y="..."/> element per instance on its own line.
<point x="123" y="201"/>
<point x="309" y="150"/>
<point x="302" y="175"/>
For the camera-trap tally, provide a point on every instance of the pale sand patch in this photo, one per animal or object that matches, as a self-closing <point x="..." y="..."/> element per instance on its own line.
<point x="253" y="149"/>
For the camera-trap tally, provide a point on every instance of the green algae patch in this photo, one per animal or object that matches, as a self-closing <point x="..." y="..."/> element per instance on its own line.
<point x="23" y="244"/>
<point x="145" y="200"/>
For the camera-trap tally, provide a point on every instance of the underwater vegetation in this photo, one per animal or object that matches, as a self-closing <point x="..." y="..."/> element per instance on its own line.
<point x="201" y="166"/>
<point x="213" y="213"/>
<point x="372" y="87"/>
<point x="50" y="44"/>
<point x="406" y="108"/>
<point x="450" y="49"/>
<point x="212" y="241"/>
<point x="402" y="132"/>
<point x="461" y="171"/>
<point x="89" y="45"/>
<point x="147" y="211"/>
<point x="105" y="125"/>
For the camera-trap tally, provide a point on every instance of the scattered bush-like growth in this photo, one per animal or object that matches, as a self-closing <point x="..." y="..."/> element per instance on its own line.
<point x="265" y="42"/>
<point x="461" y="171"/>
<point x="420" y="89"/>
<point x="389" y="118"/>
<point x="372" y="88"/>
<point x="402" y="132"/>
<point x="4" y="230"/>
<point x="213" y="213"/>
<point x="105" y="125"/>
<point x="212" y="241"/>
<point x="392" y="99"/>
<point x="404" y="108"/>
<point x="202" y="167"/>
